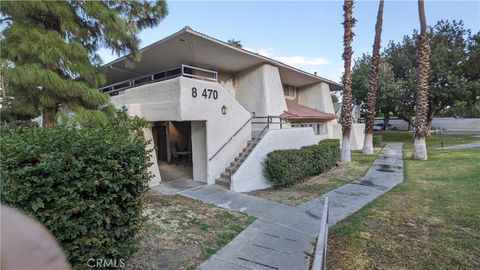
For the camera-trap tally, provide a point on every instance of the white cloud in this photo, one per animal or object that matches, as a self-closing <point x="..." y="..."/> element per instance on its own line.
<point x="302" y="62"/>
<point x="264" y="52"/>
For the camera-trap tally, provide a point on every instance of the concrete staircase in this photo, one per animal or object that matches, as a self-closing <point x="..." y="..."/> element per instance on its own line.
<point x="226" y="176"/>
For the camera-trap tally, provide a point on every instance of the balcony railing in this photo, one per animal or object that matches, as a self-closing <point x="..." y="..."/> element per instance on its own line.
<point x="183" y="70"/>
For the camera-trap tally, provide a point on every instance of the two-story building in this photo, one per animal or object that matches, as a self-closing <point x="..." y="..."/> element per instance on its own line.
<point x="219" y="110"/>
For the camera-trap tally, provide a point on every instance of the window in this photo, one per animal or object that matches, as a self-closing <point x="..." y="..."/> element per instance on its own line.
<point x="319" y="128"/>
<point x="289" y="91"/>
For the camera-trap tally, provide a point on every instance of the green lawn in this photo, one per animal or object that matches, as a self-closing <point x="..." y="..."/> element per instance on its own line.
<point x="430" y="221"/>
<point x="434" y="141"/>
<point x="315" y="186"/>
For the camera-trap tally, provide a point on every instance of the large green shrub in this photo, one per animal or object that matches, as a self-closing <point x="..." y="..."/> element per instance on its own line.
<point x="284" y="167"/>
<point x="85" y="185"/>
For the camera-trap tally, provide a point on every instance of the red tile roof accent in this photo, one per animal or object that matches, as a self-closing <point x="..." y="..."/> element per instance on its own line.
<point x="300" y="112"/>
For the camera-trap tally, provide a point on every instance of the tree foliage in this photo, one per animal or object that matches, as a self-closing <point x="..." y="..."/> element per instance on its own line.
<point x="86" y="185"/>
<point x="235" y="43"/>
<point x="453" y="80"/>
<point x="49" y="59"/>
<point x="388" y="88"/>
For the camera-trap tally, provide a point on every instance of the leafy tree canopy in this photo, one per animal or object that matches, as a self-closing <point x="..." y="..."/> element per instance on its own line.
<point x="49" y="60"/>
<point x="454" y="76"/>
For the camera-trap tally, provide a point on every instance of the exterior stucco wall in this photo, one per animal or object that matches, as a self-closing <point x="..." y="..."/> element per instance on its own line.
<point x="219" y="127"/>
<point x="172" y="100"/>
<point x="294" y="100"/>
<point x="316" y="96"/>
<point x="356" y="135"/>
<point x="260" y="90"/>
<point x="250" y="174"/>
<point x="147" y="133"/>
<point x="199" y="151"/>
<point x="228" y="81"/>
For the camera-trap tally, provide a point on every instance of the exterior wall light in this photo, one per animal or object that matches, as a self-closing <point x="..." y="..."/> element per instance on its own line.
<point x="224" y="109"/>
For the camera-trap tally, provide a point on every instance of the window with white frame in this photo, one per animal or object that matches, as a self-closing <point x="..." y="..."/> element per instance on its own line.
<point x="289" y="91"/>
<point x="319" y="128"/>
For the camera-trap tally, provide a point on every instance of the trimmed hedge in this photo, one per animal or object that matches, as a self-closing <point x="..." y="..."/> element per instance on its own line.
<point x="284" y="167"/>
<point x="85" y="185"/>
<point x="377" y="140"/>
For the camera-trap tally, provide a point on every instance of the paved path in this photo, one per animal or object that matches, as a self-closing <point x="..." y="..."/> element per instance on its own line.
<point x="462" y="146"/>
<point x="283" y="236"/>
<point x="280" y="238"/>
<point x="385" y="173"/>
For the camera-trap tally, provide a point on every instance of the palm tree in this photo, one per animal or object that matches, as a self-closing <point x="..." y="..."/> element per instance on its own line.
<point x="421" y="108"/>
<point x="348" y="24"/>
<point x="235" y="43"/>
<point x="372" y="86"/>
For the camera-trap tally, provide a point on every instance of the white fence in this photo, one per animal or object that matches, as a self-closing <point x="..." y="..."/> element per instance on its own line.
<point x="449" y="123"/>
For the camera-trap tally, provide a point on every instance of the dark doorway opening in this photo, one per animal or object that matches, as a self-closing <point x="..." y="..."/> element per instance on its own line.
<point x="173" y="141"/>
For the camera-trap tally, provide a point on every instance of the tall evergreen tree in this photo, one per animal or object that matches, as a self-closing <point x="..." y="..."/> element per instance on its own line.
<point x="348" y="24"/>
<point x="421" y="108"/>
<point x="372" y="87"/>
<point x="50" y="50"/>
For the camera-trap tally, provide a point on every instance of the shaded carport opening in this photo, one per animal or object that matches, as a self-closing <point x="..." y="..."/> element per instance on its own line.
<point x="173" y="143"/>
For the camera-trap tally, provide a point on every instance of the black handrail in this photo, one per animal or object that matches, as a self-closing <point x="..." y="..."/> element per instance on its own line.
<point x="231" y="137"/>
<point x="260" y="135"/>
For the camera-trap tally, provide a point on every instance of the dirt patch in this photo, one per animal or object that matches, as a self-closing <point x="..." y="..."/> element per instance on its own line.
<point x="180" y="233"/>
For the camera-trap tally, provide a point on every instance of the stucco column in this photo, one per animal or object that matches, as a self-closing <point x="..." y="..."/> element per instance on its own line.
<point x="148" y="135"/>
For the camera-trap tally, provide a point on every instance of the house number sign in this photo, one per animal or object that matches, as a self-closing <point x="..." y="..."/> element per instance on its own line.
<point x="206" y="93"/>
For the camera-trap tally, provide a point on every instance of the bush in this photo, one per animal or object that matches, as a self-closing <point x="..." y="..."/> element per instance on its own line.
<point x="377" y="140"/>
<point x="284" y="167"/>
<point x="85" y="185"/>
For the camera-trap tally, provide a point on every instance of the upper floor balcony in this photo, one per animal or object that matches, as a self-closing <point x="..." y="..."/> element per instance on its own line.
<point x="183" y="70"/>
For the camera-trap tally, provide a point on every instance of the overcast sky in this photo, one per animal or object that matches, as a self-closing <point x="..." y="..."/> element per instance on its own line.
<point x="307" y="35"/>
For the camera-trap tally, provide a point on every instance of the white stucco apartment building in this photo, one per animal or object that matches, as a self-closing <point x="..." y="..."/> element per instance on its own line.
<point x="221" y="108"/>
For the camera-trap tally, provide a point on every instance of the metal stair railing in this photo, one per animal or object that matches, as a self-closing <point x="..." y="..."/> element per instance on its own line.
<point x="231" y="137"/>
<point x="269" y="121"/>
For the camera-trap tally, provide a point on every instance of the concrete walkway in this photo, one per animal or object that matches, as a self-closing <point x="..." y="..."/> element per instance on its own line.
<point x="385" y="173"/>
<point x="280" y="238"/>
<point x="283" y="236"/>
<point x="462" y="146"/>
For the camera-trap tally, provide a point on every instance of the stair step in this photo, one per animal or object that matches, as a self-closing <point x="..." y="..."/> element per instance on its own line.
<point x="224" y="179"/>
<point x="223" y="182"/>
<point x="232" y="167"/>
<point x="225" y="175"/>
<point x="241" y="158"/>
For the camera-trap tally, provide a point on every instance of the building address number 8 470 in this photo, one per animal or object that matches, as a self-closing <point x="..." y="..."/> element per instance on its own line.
<point x="206" y="93"/>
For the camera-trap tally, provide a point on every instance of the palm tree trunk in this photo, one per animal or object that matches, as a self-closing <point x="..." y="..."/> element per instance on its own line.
<point x="372" y="86"/>
<point x="421" y="108"/>
<point x="348" y="24"/>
